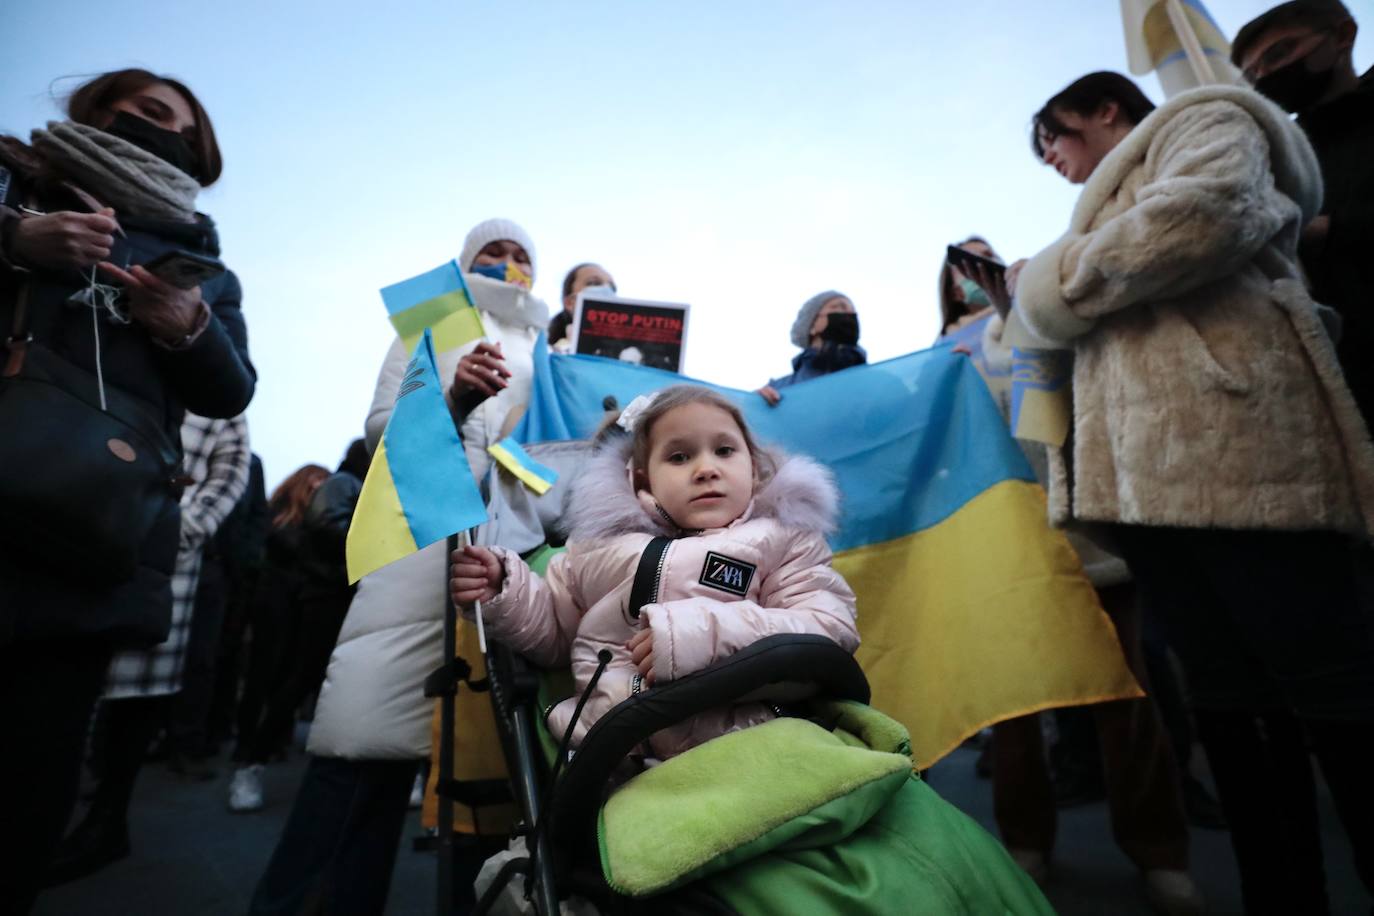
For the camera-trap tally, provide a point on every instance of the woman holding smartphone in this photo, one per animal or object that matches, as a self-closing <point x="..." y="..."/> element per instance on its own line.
<point x="1214" y="440"/>
<point x="85" y="204"/>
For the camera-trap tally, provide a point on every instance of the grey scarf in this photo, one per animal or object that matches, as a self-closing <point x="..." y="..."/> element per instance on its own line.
<point x="120" y="174"/>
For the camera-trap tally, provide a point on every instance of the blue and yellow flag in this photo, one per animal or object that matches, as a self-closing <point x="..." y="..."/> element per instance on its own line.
<point x="1186" y="47"/>
<point x="515" y="459"/>
<point x="971" y="608"/>
<point x="439" y="300"/>
<point x="419" y="488"/>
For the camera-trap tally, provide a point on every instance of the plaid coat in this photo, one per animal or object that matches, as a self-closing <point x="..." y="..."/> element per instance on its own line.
<point x="217" y="460"/>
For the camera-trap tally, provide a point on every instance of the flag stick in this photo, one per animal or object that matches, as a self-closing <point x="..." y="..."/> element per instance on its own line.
<point x="446" y="727"/>
<point x="1191" y="46"/>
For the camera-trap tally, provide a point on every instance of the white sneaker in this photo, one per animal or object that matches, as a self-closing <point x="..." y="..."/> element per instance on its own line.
<point x="245" y="790"/>
<point x="1173" y="893"/>
<point x="417" y="791"/>
<point x="1032" y="862"/>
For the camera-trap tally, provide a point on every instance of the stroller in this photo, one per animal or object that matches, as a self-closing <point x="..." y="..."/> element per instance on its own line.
<point x="817" y="811"/>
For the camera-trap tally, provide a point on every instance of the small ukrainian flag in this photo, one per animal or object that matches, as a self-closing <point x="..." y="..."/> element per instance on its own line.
<point x="419" y="488"/>
<point x="531" y="473"/>
<point x="439" y="300"/>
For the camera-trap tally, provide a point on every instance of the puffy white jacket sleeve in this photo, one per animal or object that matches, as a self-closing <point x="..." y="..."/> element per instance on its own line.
<point x="803" y="594"/>
<point x="1206" y="208"/>
<point x="535" y="616"/>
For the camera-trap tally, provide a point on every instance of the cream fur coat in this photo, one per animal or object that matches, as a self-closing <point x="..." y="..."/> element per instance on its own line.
<point x="1206" y="391"/>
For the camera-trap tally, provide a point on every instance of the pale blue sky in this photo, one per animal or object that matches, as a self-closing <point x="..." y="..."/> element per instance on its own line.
<point x="739" y="157"/>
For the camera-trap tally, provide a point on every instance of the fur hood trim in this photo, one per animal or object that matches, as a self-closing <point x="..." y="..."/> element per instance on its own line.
<point x="801" y="494"/>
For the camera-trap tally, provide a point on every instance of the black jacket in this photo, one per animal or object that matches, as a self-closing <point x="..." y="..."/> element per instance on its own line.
<point x="212" y="377"/>
<point x="1342" y="274"/>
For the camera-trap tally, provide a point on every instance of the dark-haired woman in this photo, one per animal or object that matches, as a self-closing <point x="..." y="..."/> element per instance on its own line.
<point x="115" y="185"/>
<point x="273" y="622"/>
<point x="1215" y="441"/>
<point x="583" y="276"/>
<point x="963" y="300"/>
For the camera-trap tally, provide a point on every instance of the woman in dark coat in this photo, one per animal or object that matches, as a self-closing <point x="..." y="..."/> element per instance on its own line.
<point x="85" y="205"/>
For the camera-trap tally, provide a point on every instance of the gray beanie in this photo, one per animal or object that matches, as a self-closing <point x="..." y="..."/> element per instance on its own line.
<point x="496" y="230"/>
<point x="801" y="328"/>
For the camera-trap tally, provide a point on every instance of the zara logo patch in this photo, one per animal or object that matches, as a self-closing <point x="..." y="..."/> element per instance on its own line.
<point x="727" y="574"/>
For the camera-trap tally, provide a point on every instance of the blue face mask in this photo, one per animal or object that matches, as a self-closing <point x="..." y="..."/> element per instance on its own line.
<point x="974" y="297"/>
<point x="505" y="271"/>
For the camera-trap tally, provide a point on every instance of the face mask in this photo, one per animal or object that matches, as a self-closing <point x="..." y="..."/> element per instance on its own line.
<point x="167" y="145"/>
<point x="505" y="271"/>
<point x="974" y="297"/>
<point x="1297" y="86"/>
<point x="841" y="328"/>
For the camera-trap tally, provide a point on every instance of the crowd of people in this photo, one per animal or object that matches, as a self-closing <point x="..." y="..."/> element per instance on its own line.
<point x="1216" y="481"/>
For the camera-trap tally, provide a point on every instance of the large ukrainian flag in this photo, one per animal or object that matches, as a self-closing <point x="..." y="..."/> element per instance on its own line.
<point x="419" y="488"/>
<point x="971" y="608"/>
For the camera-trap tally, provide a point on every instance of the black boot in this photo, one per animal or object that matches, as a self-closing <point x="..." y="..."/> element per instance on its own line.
<point x="101" y="838"/>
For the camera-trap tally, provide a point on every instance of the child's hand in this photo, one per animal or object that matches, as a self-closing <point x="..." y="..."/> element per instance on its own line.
<point x="642" y="653"/>
<point x="475" y="575"/>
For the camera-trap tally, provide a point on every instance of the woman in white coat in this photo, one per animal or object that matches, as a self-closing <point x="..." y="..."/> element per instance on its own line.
<point x="1214" y="440"/>
<point x="372" y="722"/>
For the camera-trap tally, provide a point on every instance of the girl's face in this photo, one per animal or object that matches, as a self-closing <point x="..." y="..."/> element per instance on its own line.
<point x="700" y="469"/>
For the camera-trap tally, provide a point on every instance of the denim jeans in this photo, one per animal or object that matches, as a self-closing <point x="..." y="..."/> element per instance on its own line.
<point x="338" y="848"/>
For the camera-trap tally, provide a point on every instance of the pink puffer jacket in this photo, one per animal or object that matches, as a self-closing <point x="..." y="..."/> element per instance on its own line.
<point x="718" y="591"/>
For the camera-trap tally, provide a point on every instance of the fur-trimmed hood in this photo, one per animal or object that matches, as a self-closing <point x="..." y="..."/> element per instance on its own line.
<point x="800" y="494"/>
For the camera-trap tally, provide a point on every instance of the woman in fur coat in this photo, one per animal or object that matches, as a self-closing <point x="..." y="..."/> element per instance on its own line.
<point x="1214" y="440"/>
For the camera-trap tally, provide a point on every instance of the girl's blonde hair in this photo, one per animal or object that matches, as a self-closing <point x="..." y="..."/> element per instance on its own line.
<point x="679" y="396"/>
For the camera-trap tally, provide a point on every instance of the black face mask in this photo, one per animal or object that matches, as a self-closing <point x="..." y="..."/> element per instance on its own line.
<point x="841" y="328"/>
<point x="167" y="145"/>
<point x="1297" y="86"/>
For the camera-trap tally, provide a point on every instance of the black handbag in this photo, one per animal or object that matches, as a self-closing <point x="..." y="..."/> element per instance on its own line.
<point x="80" y="486"/>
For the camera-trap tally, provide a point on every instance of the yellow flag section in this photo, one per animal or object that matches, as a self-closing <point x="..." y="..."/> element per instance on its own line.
<point x="1024" y="636"/>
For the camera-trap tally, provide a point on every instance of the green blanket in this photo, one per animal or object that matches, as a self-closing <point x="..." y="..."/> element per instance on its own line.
<point x="804" y="818"/>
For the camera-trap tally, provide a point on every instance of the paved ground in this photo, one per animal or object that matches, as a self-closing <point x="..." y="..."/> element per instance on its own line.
<point x="192" y="858"/>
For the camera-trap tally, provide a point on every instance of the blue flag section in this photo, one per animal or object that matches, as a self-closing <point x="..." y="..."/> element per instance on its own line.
<point x="419" y="488"/>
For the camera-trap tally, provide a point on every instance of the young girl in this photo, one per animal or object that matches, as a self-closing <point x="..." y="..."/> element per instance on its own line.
<point x="745" y="558"/>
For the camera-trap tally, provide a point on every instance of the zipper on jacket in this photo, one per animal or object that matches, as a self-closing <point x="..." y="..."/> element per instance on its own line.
<point x="648" y="575"/>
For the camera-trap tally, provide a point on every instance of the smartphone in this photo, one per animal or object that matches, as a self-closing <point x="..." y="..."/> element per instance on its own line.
<point x="961" y="258"/>
<point x="184" y="269"/>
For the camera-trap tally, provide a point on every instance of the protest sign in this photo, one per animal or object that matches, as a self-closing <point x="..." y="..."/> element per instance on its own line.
<point x="631" y="330"/>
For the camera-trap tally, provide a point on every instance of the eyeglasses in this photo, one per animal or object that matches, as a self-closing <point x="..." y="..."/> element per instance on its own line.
<point x="1277" y="54"/>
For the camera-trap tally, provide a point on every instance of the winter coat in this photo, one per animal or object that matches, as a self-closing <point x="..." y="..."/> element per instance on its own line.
<point x="1341" y="270"/>
<point x="372" y="704"/>
<point x="1206" y="392"/>
<point x="217" y="460"/>
<point x="212" y="377"/>
<point x="717" y="591"/>
<point x="813" y="362"/>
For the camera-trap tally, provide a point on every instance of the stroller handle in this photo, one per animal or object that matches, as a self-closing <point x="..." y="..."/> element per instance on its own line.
<point x="786" y="666"/>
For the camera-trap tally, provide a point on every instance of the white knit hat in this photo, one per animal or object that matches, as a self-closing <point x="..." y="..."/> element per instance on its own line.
<point x="496" y="230"/>
<point x="801" y="328"/>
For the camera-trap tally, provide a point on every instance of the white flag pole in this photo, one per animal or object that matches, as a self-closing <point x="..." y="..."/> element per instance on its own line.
<point x="465" y="539"/>
<point x="1188" y="39"/>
